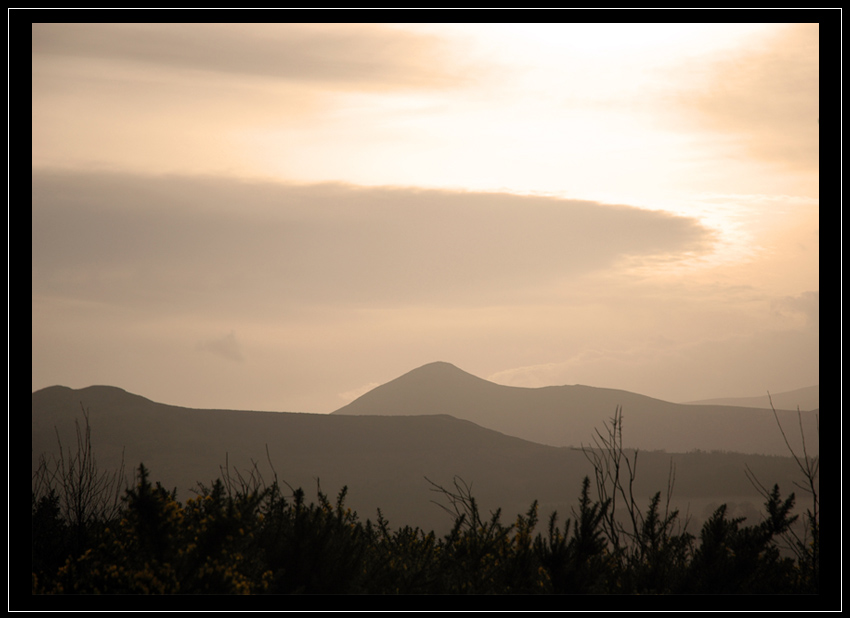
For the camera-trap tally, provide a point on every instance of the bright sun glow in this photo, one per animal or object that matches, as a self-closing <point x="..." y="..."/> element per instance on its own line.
<point x="685" y="157"/>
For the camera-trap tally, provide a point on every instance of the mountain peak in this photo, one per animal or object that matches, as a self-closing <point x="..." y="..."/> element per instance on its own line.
<point x="437" y="364"/>
<point x="570" y="415"/>
<point x="434" y="388"/>
<point x="439" y="369"/>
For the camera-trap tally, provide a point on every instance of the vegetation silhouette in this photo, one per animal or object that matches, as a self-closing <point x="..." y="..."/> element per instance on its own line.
<point x="243" y="535"/>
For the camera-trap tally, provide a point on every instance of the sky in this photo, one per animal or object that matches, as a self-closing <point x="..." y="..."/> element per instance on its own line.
<point x="284" y="216"/>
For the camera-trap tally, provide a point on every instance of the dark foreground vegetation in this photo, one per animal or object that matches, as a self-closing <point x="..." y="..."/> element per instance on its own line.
<point x="243" y="535"/>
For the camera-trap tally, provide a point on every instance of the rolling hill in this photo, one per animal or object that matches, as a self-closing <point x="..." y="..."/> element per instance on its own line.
<point x="569" y="415"/>
<point x="382" y="459"/>
<point x="807" y="399"/>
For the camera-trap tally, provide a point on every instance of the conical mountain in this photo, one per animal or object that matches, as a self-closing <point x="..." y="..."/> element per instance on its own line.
<point x="571" y="415"/>
<point x="435" y="388"/>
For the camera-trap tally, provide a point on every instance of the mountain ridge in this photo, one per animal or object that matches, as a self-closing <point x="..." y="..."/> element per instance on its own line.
<point x="569" y="415"/>
<point x="807" y="398"/>
<point x="383" y="460"/>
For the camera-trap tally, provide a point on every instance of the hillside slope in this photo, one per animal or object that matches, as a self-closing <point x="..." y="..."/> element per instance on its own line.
<point x="806" y="399"/>
<point x="383" y="460"/>
<point x="569" y="415"/>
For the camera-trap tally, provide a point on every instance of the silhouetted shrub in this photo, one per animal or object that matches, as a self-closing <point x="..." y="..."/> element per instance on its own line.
<point x="242" y="536"/>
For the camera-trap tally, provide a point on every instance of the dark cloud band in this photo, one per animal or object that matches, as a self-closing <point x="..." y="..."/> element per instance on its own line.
<point x="198" y="240"/>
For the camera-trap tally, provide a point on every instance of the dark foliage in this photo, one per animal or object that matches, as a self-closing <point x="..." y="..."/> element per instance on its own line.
<point x="242" y="536"/>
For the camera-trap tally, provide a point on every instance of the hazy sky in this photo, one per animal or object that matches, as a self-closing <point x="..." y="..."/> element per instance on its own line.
<point x="280" y="217"/>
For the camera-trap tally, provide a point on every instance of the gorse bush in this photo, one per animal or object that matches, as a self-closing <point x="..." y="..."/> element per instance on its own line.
<point x="244" y="536"/>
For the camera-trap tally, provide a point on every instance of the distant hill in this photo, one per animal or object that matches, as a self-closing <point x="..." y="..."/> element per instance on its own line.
<point x="569" y="415"/>
<point x="383" y="459"/>
<point x="806" y="398"/>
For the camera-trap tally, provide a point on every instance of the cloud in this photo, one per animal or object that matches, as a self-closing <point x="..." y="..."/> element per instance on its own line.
<point x="226" y="347"/>
<point x="806" y="304"/>
<point x="740" y="365"/>
<point x="203" y="244"/>
<point x="349" y="396"/>
<point x="765" y="93"/>
<point x="362" y="55"/>
<point x="246" y="99"/>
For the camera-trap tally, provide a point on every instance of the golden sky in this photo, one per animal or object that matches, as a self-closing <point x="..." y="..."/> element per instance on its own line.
<point x="279" y="217"/>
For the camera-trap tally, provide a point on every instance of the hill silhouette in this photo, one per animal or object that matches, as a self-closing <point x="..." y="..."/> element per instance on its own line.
<point x="569" y="415"/>
<point x="382" y="459"/>
<point x="808" y="399"/>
